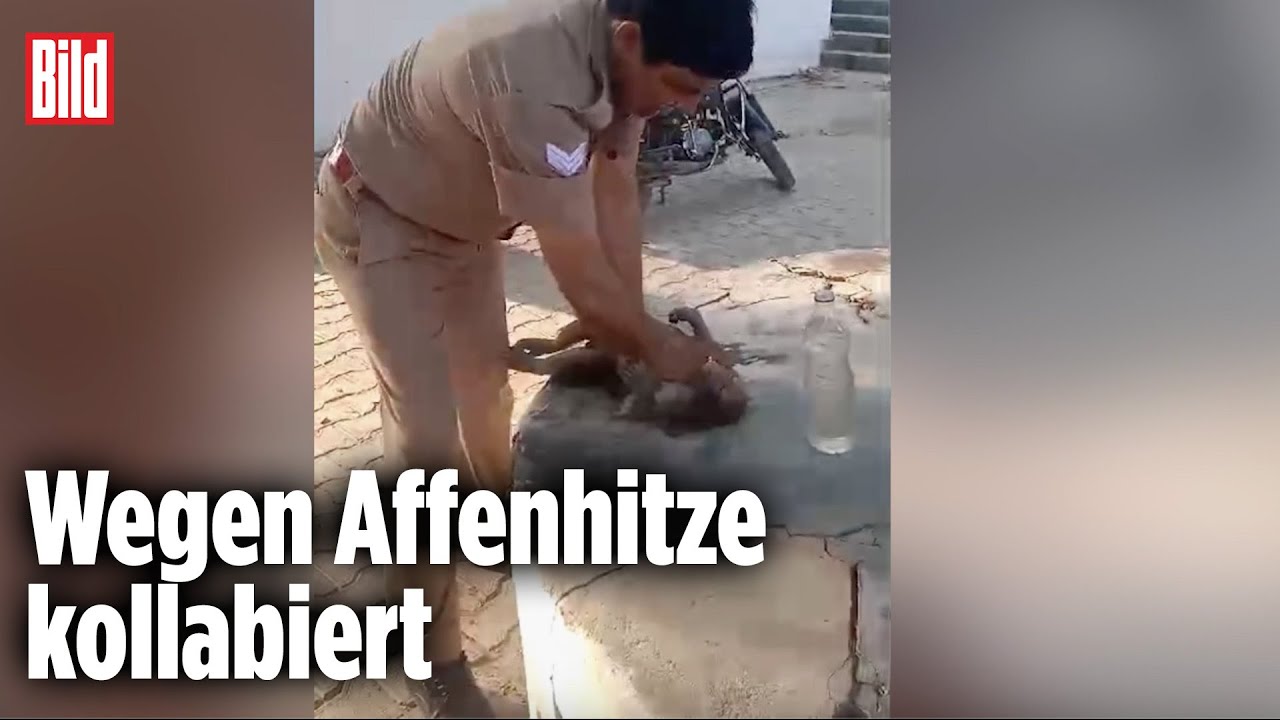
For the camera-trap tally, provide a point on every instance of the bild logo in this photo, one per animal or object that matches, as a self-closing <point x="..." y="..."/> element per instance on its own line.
<point x="70" y="78"/>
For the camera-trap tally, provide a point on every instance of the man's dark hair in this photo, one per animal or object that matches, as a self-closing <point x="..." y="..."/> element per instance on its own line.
<point x="713" y="38"/>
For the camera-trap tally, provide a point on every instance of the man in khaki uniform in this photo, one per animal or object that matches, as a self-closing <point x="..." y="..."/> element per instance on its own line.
<point x="530" y="113"/>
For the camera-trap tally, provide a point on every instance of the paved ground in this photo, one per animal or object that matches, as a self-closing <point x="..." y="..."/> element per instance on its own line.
<point x="726" y="237"/>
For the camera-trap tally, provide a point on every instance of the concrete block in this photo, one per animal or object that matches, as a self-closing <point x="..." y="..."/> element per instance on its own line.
<point x="775" y="640"/>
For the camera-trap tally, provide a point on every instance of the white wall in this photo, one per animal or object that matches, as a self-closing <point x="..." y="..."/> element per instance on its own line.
<point x="355" y="39"/>
<point x="789" y="35"/>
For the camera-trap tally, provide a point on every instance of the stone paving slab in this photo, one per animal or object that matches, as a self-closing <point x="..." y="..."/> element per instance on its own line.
<point x="767" y="641"/>
<point x="724" y="240"/>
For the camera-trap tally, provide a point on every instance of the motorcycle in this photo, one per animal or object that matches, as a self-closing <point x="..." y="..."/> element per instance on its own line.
<point x="676" y="143"/>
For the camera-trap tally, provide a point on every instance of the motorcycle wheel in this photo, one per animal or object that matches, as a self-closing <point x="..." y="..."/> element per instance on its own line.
<point x="767" y="149"/>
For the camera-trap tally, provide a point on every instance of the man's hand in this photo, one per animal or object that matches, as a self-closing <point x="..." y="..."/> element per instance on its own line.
<point x="671" y="354"/>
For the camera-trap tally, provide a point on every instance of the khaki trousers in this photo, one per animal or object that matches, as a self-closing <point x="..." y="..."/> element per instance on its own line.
<point x="431" y="313"/>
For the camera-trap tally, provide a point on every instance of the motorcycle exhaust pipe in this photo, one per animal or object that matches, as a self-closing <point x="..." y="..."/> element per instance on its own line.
<point x="687" y="167"/>
<point x="678" y="167"/>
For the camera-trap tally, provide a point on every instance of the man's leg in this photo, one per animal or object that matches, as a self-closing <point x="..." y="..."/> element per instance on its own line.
<point x="398" y="307"/>
<point x="475" y="333"/>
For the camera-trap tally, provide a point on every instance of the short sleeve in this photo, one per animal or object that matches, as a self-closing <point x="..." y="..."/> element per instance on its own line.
<point x="540" y="155"/>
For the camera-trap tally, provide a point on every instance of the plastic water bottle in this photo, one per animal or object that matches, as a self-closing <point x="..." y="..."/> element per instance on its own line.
<point x="829" y="381"/>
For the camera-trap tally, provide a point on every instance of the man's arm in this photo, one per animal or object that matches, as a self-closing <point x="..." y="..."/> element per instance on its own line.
<point x="539" y="158"/>
<point x="616" y="316"/>
<point x="618" y="213"/>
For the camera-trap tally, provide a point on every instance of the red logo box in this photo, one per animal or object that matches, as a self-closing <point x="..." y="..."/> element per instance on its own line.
<point x="71" y="78"/>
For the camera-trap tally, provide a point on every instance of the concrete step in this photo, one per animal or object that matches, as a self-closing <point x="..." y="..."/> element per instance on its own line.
<point x="860" y="23"/>
<point x="879" y="8"/>
<point x="858" y="61"/>
<point x="857" y="42"/>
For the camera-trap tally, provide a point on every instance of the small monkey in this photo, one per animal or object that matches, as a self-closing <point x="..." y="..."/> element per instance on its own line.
<point x="717" y="397"/>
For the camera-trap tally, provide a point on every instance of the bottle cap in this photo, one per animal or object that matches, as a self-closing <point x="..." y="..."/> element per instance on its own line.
<point x="825" y="295"/>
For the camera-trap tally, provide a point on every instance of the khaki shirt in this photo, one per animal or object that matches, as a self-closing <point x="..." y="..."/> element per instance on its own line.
<point x="492" y="122"/>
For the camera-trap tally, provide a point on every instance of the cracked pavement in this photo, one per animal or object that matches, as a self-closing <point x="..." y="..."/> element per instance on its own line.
<point x="723" y="241"/>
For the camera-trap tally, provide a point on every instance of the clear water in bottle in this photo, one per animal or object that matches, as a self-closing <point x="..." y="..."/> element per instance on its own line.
<point x="829" y="381"/>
